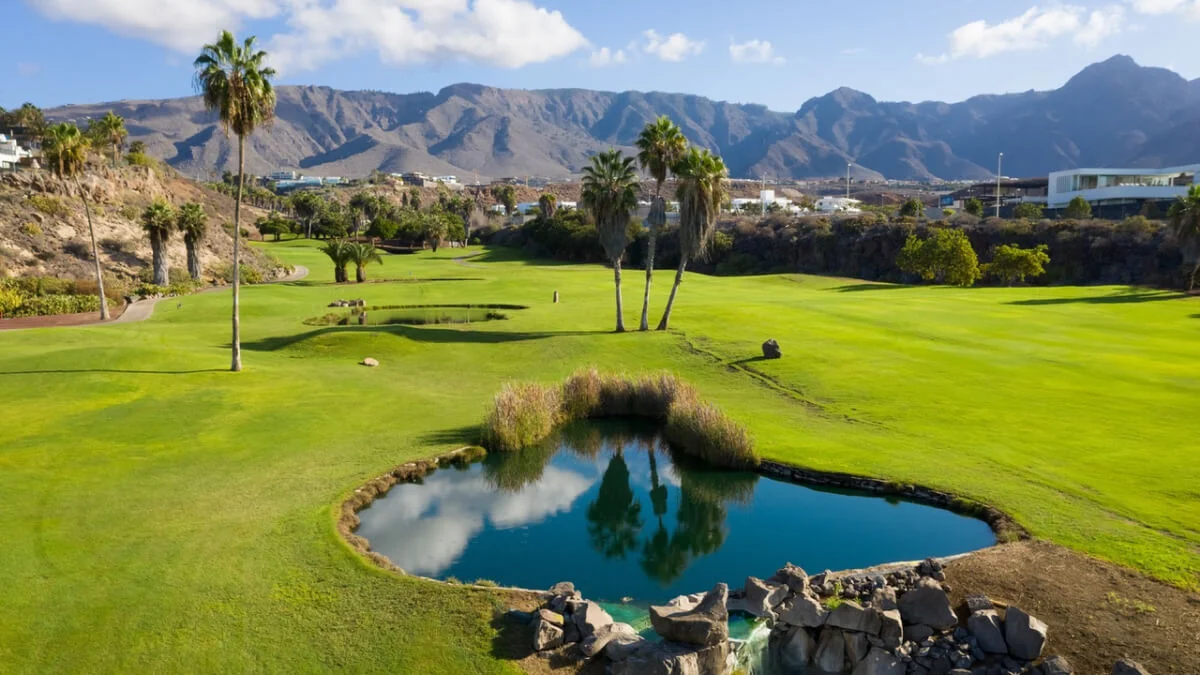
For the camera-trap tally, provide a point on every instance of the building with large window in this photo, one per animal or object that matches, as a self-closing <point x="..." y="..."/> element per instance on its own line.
<point x="1118" y="192"/>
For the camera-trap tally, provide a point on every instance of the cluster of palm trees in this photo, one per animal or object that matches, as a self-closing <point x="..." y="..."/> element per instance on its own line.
<point x="160" y="221"/>
<point x="1184" y="219"/>
<point x="609" y="194"/>
<point x="342" y="253"/>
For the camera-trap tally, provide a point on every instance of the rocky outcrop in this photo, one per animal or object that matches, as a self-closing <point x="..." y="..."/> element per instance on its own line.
<point x="1025" y="635"/>
<point x="1127" y="667"/>
<point x="928" y="605"/>
<point x="705" y="624"/>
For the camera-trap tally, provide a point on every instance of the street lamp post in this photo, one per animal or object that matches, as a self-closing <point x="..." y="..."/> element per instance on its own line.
<point x="999" y="166"/>
<point x="848" y="165"/>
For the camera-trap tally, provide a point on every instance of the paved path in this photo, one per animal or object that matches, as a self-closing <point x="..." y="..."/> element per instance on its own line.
<point x="139" y="310"/>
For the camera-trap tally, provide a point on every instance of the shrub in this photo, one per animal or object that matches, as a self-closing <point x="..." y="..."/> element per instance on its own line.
<point x="131" y="212"/>
<point x="140" y="159"/>
<point x="524" y="415"/>
<point x="78" y="249"/>
<point x="1028" y="210"/>
<point x="1011" y="264"/>
<point x="57" y="304"/>
<point x="32" y="229"/>
<point x="10" y="301"/>
<point x="249" y="275"/>
<point x="114" y="245"/>
<point x="945" y="256"/>
<point x="49" y="205"/>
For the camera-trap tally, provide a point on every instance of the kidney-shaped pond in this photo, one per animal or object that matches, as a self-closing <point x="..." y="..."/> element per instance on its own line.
<point x="617" y="511"/>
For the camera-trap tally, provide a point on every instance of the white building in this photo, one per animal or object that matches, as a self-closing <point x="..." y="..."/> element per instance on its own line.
<point x="285" y="175"/>
<point x="1116" y="187"/>
<point x="11" y="154"/>
<point x="838" y="205"/>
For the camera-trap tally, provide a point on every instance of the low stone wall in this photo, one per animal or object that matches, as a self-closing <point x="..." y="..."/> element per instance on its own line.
<point x="1006" y="528"/>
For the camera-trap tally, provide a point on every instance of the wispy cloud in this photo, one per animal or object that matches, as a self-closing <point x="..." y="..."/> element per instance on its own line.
<point x="607" y="57"/>
<point x="1190" y="9"/>
<point x="754" y="51"/>
<point x="1034" y="29"/>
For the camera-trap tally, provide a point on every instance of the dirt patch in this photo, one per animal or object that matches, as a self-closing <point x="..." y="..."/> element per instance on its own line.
<point x="1097" y="612"/>
<point x="115" y="310"/>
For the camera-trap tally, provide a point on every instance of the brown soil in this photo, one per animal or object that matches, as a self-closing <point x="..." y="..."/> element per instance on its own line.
<point x="115" y="310"/>
<point x="1097" y="612"/>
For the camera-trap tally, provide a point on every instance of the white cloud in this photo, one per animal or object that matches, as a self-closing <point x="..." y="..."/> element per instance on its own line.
<point x="1189" y="8"/>
<point x="606" y="57"/>
<point x="754" y="51"/>
<point x="503" y="33"/>
<point x="674" y="47"/>
<point x="179" y="24"/>
<point x="1034" y="29"/>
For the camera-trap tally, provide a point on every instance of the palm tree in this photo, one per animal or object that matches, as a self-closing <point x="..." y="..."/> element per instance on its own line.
<point x="362" y="255"/>
<point x="1184" y="218"/>
<point x="609" y="192"/>
<point x="111" y="128"/>
<point x="193" y="223"/>
<point x="233" y="82"/>
<point x="660" y="146"/>
<point x="66" y="151"/>
<point x="701" y="192"/>
<point x="159" y="222"/>
<point x="548" y="206"/>
<point x="338" y="252"/>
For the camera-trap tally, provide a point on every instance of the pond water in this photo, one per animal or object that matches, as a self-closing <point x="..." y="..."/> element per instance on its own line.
<point x="614" y="509"/>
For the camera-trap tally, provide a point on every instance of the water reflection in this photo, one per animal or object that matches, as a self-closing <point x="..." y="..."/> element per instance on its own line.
<point x="618" y="511"/>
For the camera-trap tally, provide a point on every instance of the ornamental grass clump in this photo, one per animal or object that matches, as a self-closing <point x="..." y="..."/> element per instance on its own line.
<point x="523" y="414"/>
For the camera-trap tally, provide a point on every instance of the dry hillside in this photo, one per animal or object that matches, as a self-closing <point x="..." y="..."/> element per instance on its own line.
<point x="43" y="231"/>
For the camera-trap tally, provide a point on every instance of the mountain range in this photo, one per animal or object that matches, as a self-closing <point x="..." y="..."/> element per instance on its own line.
<point x="1113" y="113"/>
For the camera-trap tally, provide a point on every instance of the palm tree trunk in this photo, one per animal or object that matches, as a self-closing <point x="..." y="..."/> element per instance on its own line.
<point x="158" y="248"/>
<point x="236" y="363"/>
<point x="193" y="258"/>
<point x="1192" y="279"/>
<point x="650" y="245"/>
<point x="620" y="306"/>
<point x="360" y="274"/>
<point x="666" y="317"/>
<point x="95" y="252"/>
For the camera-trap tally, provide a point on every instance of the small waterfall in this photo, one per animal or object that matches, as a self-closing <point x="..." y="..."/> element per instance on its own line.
<point x="751" y="653"/>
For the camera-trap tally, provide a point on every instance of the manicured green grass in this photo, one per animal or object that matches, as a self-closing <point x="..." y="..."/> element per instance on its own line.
<point x="158" y="514"/>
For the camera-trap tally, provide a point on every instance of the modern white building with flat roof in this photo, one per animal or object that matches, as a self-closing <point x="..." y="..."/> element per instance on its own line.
<point x="1101" y="187"/>
<point x="11" y="153"/>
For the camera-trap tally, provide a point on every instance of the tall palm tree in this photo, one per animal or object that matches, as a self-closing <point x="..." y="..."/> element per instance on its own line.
<point x="235" y="84"/>
<point x="609" y="193"/>
<point x="1184" y="218"/>
<point x="362" y="255"/>
<point x="193" y="223"/>
<point x="111" y="128"/>
<point x="159" y="222"/>
<point x="339" y="253"/>
<point x="701" y="192"/>
<point x="66" y="151"/>
<point x="660" y="146"/>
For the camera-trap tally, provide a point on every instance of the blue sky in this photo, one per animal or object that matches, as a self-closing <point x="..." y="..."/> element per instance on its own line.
<point x="775" y="52"/>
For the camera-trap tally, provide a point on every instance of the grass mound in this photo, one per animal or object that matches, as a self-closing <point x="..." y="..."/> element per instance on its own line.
<point x="526" y="414"/>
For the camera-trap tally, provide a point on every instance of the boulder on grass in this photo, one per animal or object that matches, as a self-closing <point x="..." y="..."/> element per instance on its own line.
<point x="771" y="350"/>
<point x="370" y="362"/>
<point x="546" y="636"/>
<point x="985" y="626"/>
<point x="588" y="617"/>
<point x="1127" y="667"/>
<point x="705" y="624"/>
<point x="928" y="605"/>
<point x="596" y="642"/>
<point x="1025" y="635"/>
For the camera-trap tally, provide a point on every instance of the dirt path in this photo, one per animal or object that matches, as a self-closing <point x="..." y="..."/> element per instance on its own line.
<point x="462" y="260"/>
<point x="139" y="310"/>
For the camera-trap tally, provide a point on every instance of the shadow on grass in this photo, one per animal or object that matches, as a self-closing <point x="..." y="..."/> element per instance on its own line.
<point x="1132" y="298"/>
<point x="385" y="280"/>
<point x="431" y="335"/>
<point x="113" y="371"/>
<point x="514" y="643"/>
<point x="466" y="435"/>
<point x="856" y="288"/>
<point x="504" y="254"/>
<point x="747" y="361"/>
